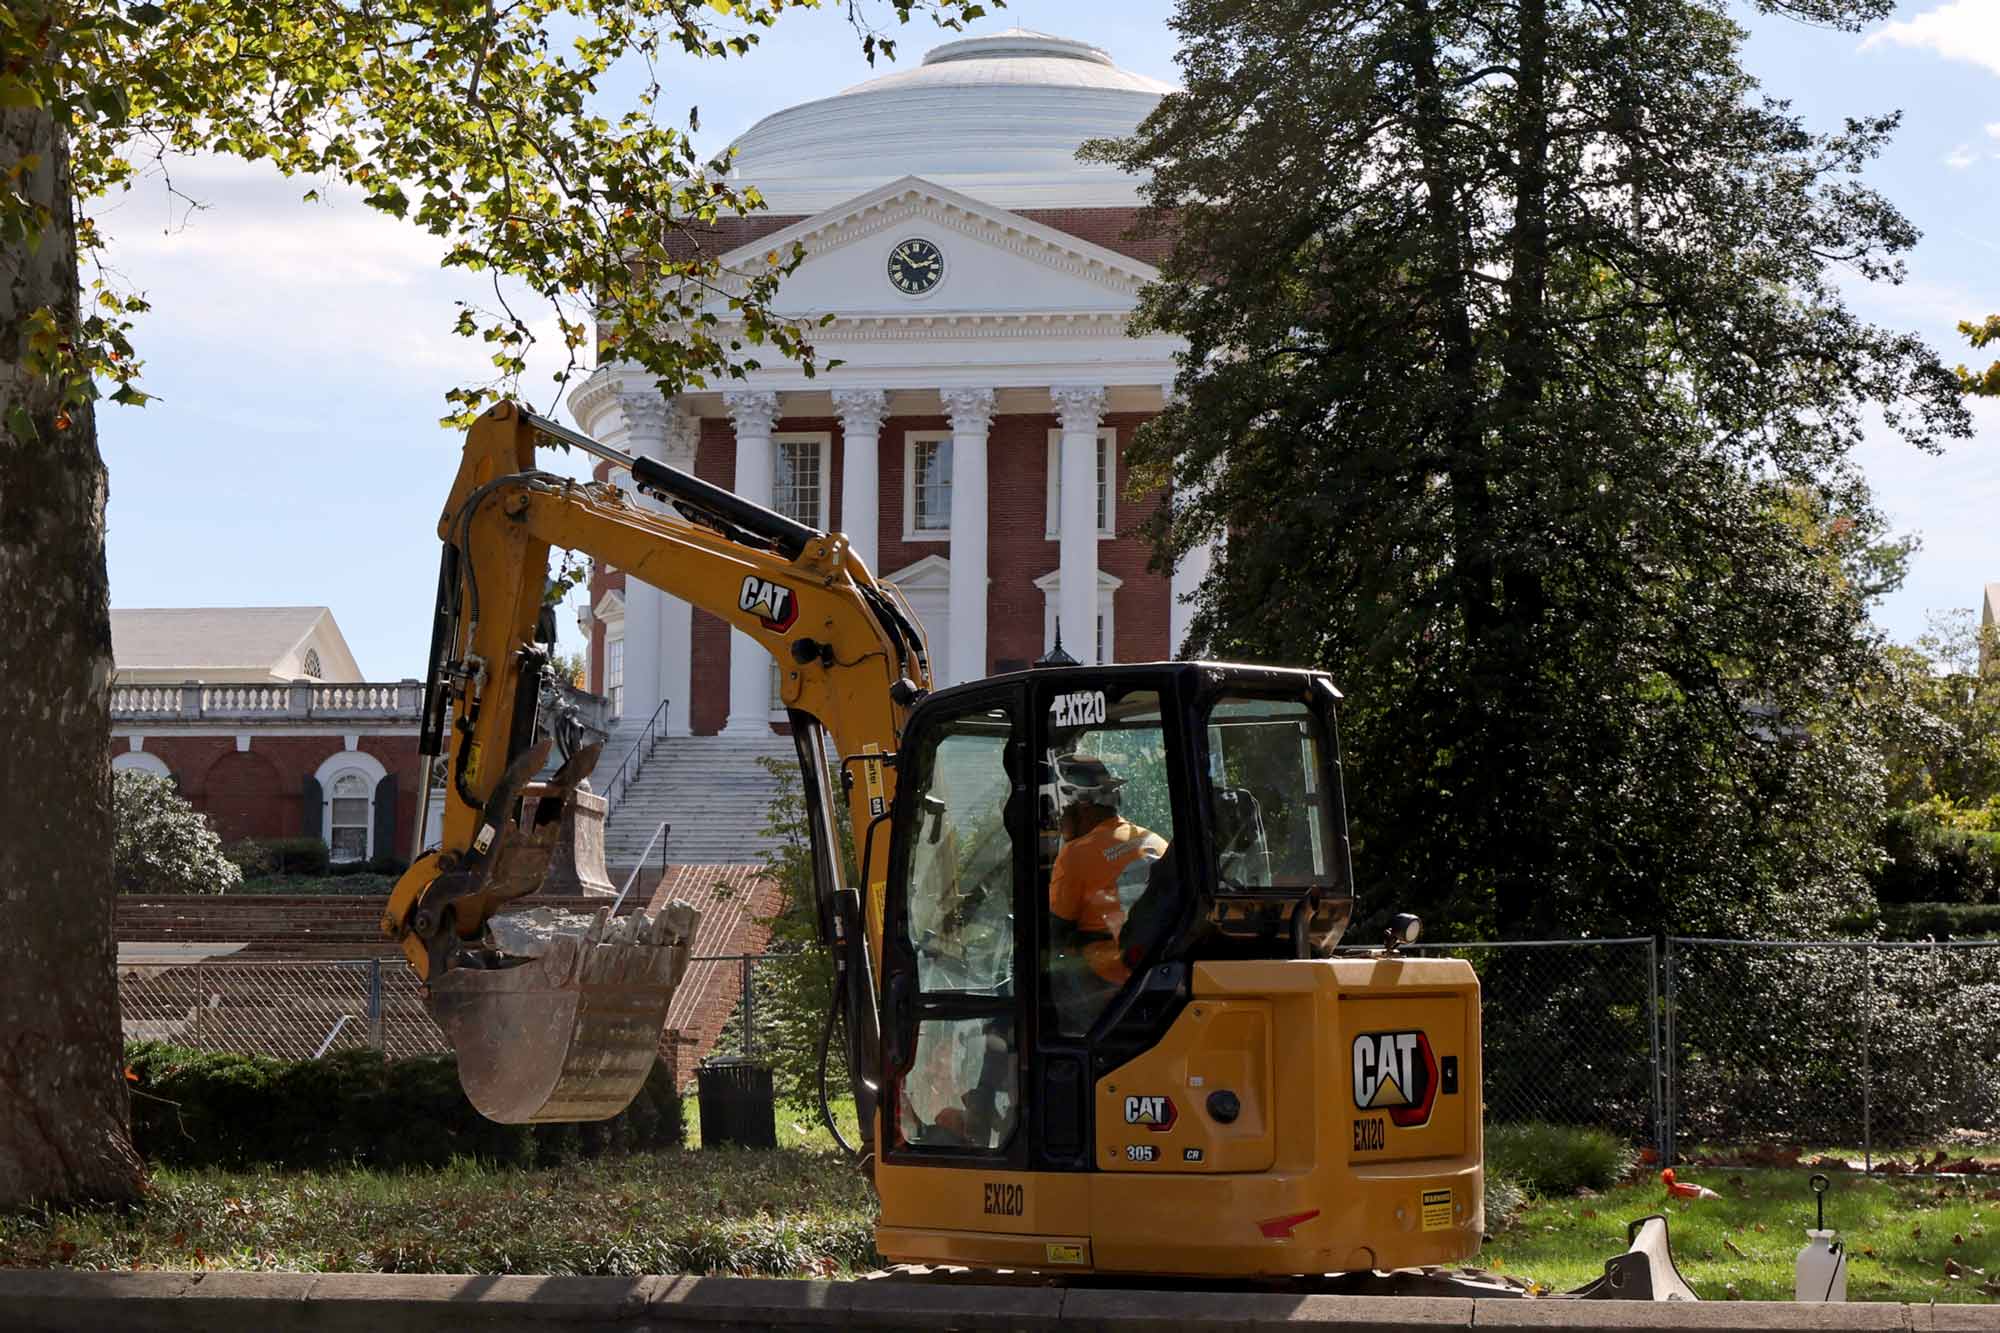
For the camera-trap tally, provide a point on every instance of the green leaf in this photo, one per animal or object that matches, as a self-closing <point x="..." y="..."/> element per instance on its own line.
<point x="390" y="200"/>
<point x="16" y="92"/>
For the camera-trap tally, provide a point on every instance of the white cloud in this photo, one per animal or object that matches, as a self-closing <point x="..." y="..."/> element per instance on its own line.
<point x="1961" y="157"/>
<point x="1993" y="129"/>
<point x="1966" y="30"/>
<point x="333" y="286"/>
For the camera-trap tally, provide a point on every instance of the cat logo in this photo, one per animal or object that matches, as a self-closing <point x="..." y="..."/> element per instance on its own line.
<point x="1396" y="1072"/>
<point x="1155" y="1113"/>
<point x="772" y="603"/>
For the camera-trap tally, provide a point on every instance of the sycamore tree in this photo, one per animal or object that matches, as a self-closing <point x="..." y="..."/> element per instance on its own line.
<point x="486" y="123"/>
<point x="1521" y="395"/>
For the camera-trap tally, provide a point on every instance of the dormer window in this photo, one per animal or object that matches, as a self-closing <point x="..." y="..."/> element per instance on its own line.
<point x="311" y="664"/>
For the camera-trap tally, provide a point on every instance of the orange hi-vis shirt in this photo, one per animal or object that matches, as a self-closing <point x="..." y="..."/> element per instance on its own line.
<point x="1095" y="879"/>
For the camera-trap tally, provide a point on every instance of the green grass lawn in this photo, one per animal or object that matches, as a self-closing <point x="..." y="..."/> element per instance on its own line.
<point x="803" y="1211"/>
<point x="1900" y="1232"/>
<point x="786" y="1213"/>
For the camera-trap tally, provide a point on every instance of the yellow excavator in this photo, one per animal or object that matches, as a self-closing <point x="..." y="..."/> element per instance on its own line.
<point x="1085" y="976"/>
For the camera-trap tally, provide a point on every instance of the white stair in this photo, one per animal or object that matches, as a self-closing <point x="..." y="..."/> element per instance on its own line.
<point x="710" y="788"/>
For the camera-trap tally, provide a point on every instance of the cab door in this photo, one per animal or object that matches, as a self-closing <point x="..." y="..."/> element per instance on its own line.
<point x="952" y="1008"/>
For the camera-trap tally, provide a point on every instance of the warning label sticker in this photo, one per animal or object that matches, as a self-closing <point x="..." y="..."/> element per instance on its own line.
<point x="1437" y="1210"/>
<point x="1065" y="1254"/>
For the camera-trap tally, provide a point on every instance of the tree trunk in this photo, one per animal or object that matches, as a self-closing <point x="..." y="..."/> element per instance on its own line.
<point x="63" y="1107"/>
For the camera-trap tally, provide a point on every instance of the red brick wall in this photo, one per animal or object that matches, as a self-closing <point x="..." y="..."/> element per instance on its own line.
<point x="258" y="793"/>
<point x="1019" y="551"/>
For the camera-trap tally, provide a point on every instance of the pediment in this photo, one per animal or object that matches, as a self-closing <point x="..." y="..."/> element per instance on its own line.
<point x="930" y="574"/>
<point x="995" y="261"/>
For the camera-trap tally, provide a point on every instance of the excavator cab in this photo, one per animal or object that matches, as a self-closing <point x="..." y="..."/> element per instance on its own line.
<point x="1115" y="1033"/>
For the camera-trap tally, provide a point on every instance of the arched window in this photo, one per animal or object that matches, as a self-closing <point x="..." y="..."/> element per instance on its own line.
<point x="311" y="664"/>
<point x="143" y="762"/>
<point x="350" y="817"/>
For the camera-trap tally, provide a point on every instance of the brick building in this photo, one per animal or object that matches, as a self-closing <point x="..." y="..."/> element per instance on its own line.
<point x="979" y="281"/>
<point x="261" y="716"/>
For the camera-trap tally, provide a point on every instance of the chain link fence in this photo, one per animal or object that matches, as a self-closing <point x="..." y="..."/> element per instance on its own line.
<point x="1849" y="1046"/>
<point x="290" y="1010"/>
<point x="1570" y="1032"/>
<point x="1862" y="1048"/>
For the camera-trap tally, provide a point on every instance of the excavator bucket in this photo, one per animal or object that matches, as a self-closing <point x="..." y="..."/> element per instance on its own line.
<point x="568" y="1029"/>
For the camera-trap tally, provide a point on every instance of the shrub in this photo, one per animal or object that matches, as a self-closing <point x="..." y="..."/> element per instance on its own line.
<point x="1930" y="860"/>
<point x="1940" y="921"/>
<point x="160" y="843"/>
<point x="254" y="858"/>
<point x="204" y="1108"/>
<point x="299" y="856"/>
<point x="1554" y="1160"/>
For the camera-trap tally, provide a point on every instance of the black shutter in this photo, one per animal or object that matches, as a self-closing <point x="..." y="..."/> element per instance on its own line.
<point x="385" y="816"/>
<point x="312" y="822"/>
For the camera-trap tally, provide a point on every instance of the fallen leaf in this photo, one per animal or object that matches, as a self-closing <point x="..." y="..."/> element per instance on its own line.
<point x="1916" y="1231"/>
<point x="1957" y="1238"/>
<point x="1730" y="1245"/>
<point x="1953" y="1270"/>
<point x="1730" y="1292"/>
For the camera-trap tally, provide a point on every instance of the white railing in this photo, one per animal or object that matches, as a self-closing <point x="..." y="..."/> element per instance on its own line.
<point x="145" y="700"/>
<point x="196" y="701"/>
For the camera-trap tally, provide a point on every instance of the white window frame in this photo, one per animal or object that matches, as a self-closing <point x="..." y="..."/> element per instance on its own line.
<point x="614" y="692"/>
<point x="1050" y="586"/>
<point x="1107" y="495"/>
<point x="364" y="766"/>
<point x="911" y="532"/>
<point x="610" y="613"/>
<point x="824" y="439"/>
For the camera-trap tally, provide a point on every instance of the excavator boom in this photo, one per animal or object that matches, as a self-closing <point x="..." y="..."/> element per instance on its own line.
<point x="555" y="1020"/>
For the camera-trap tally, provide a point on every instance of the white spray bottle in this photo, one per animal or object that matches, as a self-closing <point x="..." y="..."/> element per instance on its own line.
<point x="1822" y="1269"/>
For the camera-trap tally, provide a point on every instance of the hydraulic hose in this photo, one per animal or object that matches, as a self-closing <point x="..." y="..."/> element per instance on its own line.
<point x="825" y="1058"/>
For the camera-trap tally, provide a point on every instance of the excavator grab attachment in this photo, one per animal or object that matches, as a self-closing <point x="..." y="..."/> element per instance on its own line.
<point x="570" y="1030"/>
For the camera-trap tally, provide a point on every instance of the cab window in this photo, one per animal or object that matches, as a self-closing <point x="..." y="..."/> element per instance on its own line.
<point x="1105" y="816"/>
<point x="961" y="1091"/>
<point x="1270" y="811"/>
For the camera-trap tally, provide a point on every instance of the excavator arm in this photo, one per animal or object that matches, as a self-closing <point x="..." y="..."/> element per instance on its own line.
<point x="569" y="1032"/>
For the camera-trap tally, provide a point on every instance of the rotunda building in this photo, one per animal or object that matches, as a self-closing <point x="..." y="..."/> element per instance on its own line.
<point x="971" y="443"/>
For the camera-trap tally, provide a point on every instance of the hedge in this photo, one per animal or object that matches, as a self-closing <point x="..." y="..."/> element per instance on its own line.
<point x="205" y="1108"/>
<point x="1940" y="921"/>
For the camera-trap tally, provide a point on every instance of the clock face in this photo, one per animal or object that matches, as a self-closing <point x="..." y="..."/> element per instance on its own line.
<point x="915" y="266"/>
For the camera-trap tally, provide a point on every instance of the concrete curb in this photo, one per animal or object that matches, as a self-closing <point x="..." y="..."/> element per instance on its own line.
<point x="62" y="1301"/>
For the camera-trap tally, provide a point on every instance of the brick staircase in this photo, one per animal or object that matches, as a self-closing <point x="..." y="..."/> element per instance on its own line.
<point x="710" y="788"/>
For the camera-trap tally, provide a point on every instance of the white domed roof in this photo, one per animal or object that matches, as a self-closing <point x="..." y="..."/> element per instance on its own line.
<point x="997" y="117"/>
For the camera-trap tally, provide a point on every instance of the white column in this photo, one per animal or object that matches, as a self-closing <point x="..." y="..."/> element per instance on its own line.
<point x="644" y="414"/>
<point x="753" y="413"/>
<point x="971" y="418"/>
<point x="1189" y="571"/>
<point x="676" y="638"/>
<point x="1080" y="406"/>
<point x="861" y="415"/>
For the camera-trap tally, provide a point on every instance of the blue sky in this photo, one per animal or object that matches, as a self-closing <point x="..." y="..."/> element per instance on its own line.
<point x="300" y="351"/>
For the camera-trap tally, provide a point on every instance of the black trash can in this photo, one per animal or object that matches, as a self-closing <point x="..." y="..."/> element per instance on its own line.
<point x="737" y="1105"/>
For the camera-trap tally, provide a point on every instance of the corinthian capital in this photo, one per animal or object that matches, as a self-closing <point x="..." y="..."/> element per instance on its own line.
<point x="752" y="411"/>
<point x="1080" y="406"/>
<point x="970" y="409"/>
<point x="862" y="411"/>
<point x="644" y="413"/>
